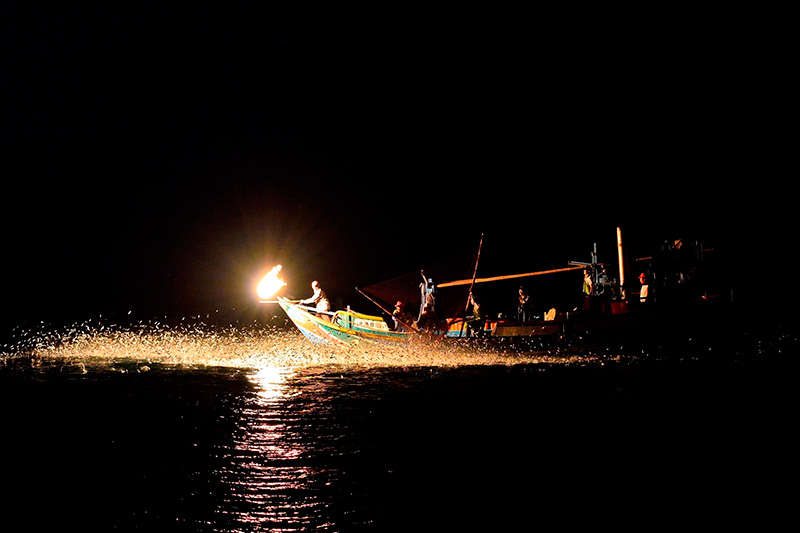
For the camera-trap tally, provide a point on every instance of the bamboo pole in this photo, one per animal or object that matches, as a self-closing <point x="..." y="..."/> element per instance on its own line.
<point x="411" y="327"/>
<point x="500" y="278"/>
<point x="474" y="273"/>
<point x="621" y="263"/>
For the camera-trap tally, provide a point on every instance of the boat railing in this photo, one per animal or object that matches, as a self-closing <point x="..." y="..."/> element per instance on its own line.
<point x="351" y="319"/>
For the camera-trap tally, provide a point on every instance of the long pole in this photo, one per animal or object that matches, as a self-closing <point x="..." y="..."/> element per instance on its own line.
<point x="382" y="308"/>
<point x="512" y="276"/>
<point x="472" y="284"/>
<point x="621" y="263"/>
<point x="474" y="273"/>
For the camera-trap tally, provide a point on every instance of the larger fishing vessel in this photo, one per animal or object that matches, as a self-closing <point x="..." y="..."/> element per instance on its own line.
<point x="673" y="294"/>
<point x="682" y="293"/>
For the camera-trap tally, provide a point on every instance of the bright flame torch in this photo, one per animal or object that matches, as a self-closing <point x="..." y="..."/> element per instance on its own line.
<point x="270" y="284"/>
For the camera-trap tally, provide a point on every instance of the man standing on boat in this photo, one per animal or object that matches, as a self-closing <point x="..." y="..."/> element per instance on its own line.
<point x="522" y="306"/>
<point x="644" y="292"/>
<point x="320" y="300"/>
<point x="427" y="293"/>
<point x="588" y="282"/>
<point x="474" y="322"/>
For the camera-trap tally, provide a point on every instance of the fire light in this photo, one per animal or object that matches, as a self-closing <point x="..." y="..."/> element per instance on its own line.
<point x="270" y="284"/>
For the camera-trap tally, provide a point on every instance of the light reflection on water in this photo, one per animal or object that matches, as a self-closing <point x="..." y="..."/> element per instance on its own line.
<point x="270" y="382"/>
<point x="272" y="481"/>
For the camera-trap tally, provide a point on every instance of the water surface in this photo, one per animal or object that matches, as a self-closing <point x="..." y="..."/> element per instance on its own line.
<point x="255" y="431"/>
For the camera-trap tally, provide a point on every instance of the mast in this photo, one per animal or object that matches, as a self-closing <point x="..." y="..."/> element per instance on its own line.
<point x="472" y="284"/>
<point x="621" y="264"/>
<point x="474" y="273"/>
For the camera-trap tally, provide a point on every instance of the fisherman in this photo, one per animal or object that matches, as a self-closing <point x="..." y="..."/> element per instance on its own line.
<point x="522" y="306"/>
<point x="320" y="300"/>
<point x="403" y="321"/>
<point x="427" y="321"/>
<point x="644" y="293"/>
<point x="427" y="294"/>
<point x="475" y="322"/>
<point x="602" y="281"/>
<point x="588" y="284"/>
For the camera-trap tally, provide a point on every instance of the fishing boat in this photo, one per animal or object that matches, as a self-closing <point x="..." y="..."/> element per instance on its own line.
<point x="342" y="327"/>
<point x="683" y="296"/>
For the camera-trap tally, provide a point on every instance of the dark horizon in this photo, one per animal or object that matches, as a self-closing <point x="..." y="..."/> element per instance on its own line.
<point x="159" y="160"/>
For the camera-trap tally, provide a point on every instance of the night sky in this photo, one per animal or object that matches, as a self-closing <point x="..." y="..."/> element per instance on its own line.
<point x="159" y="159"/>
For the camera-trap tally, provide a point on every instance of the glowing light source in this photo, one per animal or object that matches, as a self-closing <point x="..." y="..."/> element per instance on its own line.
<point x="270" y="284"/>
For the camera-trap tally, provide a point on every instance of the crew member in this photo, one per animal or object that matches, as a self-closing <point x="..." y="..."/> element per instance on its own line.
<point x="522" y="305"/>
<point x="644" y="293"/>
<point x="427" y="294"/>
<point x="588" y="284"/>
<point x="475" y="322"/>
<point x="403" y="320"/>
<point x="320" y="300"/>
<point x="428" y="321"/>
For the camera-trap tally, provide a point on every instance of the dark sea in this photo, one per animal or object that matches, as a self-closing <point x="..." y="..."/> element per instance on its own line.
<point x="195" y="429"/>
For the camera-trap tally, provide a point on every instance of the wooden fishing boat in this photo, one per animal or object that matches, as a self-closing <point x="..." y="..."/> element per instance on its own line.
<point x="683" y="300"/>
<point x="344" y="327"/>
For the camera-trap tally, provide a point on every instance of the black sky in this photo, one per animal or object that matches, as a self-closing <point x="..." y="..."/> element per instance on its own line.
<point x="158" y="158"/>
